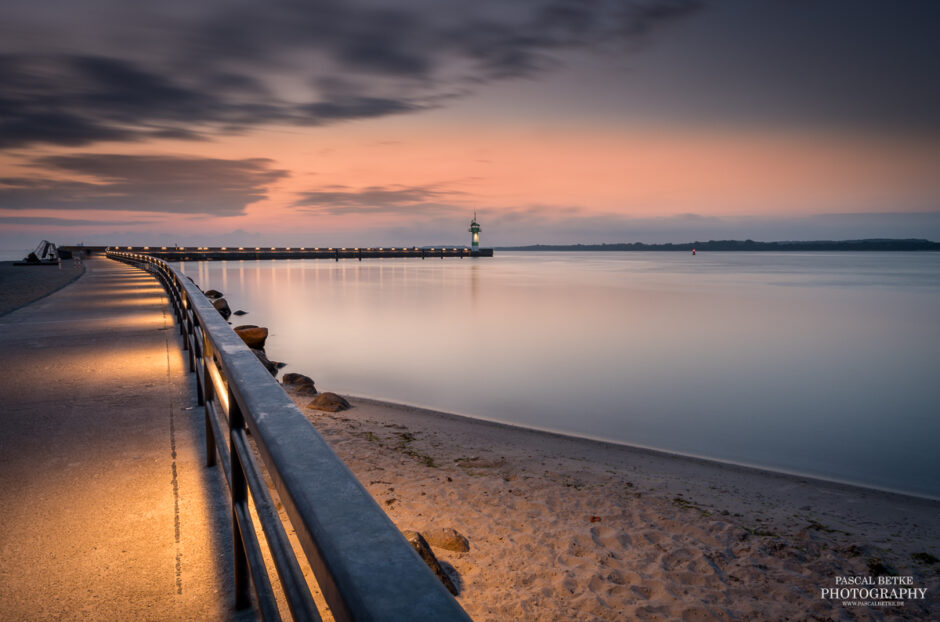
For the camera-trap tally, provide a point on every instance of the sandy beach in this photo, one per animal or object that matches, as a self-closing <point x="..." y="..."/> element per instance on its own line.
<point x="562" y="528"/>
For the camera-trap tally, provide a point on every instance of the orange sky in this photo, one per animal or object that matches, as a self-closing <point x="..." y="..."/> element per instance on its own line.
<point x="693" y="129"/>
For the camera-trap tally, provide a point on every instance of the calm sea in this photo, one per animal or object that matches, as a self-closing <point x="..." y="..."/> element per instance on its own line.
<point x="817" y="363"/>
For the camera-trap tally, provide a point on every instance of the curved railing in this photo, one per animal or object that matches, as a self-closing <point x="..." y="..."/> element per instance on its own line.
<point x="364" y="567"/>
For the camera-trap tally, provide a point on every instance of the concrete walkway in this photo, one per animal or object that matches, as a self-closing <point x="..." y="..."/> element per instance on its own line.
<point x="106" y="509"/>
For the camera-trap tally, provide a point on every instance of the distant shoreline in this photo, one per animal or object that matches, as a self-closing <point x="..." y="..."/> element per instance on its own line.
<point x="875" y="244"/>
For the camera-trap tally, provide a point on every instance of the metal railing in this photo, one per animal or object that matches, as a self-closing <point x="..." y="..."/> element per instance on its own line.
<point x="364" y="567"/>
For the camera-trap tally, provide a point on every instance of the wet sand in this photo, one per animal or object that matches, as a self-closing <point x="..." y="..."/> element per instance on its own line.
<point x="562" y="528"/>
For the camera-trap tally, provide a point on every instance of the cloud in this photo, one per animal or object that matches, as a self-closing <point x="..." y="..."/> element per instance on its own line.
<point x="187" y="71"/>
<point x="169" y="184"/>
<point x="337" y="200"/>
<point x="66" y="222"/>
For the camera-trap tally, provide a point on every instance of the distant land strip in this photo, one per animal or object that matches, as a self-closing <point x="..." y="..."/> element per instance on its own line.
<point x="873" y="244"/>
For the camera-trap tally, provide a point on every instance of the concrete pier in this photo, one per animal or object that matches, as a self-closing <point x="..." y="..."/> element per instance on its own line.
<point x="108" y="512"/>
<point x="230" y="253"/>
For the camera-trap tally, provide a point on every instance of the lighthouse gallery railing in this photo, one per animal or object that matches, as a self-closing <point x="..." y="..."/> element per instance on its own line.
<point x="363" y="565"/>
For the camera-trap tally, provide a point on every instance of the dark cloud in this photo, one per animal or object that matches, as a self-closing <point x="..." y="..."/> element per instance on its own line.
<point x="66" y="222"/>
<point x="865" y="66"/>
<point x="179" y="185"/>
<point x="375" y="199"/>
<point x="185" y="71"/>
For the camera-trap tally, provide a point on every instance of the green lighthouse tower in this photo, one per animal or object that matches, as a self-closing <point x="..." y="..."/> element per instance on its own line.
<point x="475" y="238"/>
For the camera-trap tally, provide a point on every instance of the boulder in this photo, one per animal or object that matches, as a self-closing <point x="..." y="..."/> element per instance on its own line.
<point x="300" y="384"/>
<point x="212" y="294"/>
<point x="221" y="305"/>
<point x="447" y="538"/>
<point x="420" y="545"/>
<point x="330" y="402"/>
<point x="253" y="336"/>
<point x="269" y="365"/>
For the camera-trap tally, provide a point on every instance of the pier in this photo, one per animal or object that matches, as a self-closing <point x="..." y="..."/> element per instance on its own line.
<point x="230" y="253"/>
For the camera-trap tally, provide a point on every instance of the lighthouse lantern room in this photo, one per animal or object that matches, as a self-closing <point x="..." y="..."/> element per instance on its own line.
<point x="475" y="234"/>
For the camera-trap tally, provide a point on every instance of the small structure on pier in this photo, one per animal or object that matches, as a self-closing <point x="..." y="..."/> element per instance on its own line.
<point x="475" y="237"/>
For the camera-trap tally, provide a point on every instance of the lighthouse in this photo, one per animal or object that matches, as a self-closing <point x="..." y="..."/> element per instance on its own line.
<point x="475" y="237"/>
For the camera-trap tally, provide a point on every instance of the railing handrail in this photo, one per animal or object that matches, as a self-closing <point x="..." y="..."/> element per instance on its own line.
<point x="363" y="565"/>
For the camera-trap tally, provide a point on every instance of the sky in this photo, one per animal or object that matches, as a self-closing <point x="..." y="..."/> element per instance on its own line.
<point x="371" y="122"/>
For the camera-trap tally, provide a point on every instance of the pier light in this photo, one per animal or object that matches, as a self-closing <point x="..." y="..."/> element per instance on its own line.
<point x="273" y="249"/>
<point x="257" y="248"/>
<point x="302" y="248"/>
<point x="342" y="249"/>
<point x="146" y="248"/>
<point x="224" y="248"/>
<point x="181" y="248"/>
<point x="163" y="248"/>
<point x="130" y="248"/>
<point x="287" y="248"/>
<point x="330" y="248"/>
<point x="241" y="248"/>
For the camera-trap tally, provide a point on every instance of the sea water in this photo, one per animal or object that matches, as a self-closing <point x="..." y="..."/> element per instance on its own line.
<point x="826" y="364"/>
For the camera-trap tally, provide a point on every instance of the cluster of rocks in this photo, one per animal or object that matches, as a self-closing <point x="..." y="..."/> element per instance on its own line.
<point x="255" y="338"/>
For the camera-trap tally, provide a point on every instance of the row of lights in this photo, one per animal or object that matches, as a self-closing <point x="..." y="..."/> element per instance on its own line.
<point x="258" y="248"/>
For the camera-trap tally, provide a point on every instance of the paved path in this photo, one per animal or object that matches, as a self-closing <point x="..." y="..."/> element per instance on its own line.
<point x="106" y="509"/>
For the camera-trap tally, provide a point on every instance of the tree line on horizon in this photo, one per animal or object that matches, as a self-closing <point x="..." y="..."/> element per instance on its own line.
<point x="871" y="244"/>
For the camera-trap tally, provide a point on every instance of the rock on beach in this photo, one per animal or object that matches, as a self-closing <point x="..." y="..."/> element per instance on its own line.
<point x="330" y="402"/>
<point x="300" y="384"/>
<point x="221" y="305"/>
<point x="447" y="538"/>
<point x="420" y="545"/>
<point x="253" y="336"/>
<point x="271" y="366"/>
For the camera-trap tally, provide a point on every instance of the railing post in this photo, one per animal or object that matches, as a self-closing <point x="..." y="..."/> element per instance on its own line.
<point x="209" y="395"/>
<point x="191" y="339"/>
<point x="184" y="320"/>
<point x="202" y="386"/>
<point x="239" y="495"/>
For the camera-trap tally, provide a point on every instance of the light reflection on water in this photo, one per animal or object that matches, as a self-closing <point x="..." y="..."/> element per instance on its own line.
<point x="820" y="363"/>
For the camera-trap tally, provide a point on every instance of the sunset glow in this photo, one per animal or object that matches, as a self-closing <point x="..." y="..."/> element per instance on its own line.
<point x="578" y="138"/>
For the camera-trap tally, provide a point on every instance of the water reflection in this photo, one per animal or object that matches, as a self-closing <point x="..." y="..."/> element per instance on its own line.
<point x="819" y="363"/>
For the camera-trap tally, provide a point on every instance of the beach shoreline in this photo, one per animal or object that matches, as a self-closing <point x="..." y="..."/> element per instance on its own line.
<point x="565" y="527"/>
<point x="849" y="486"/>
